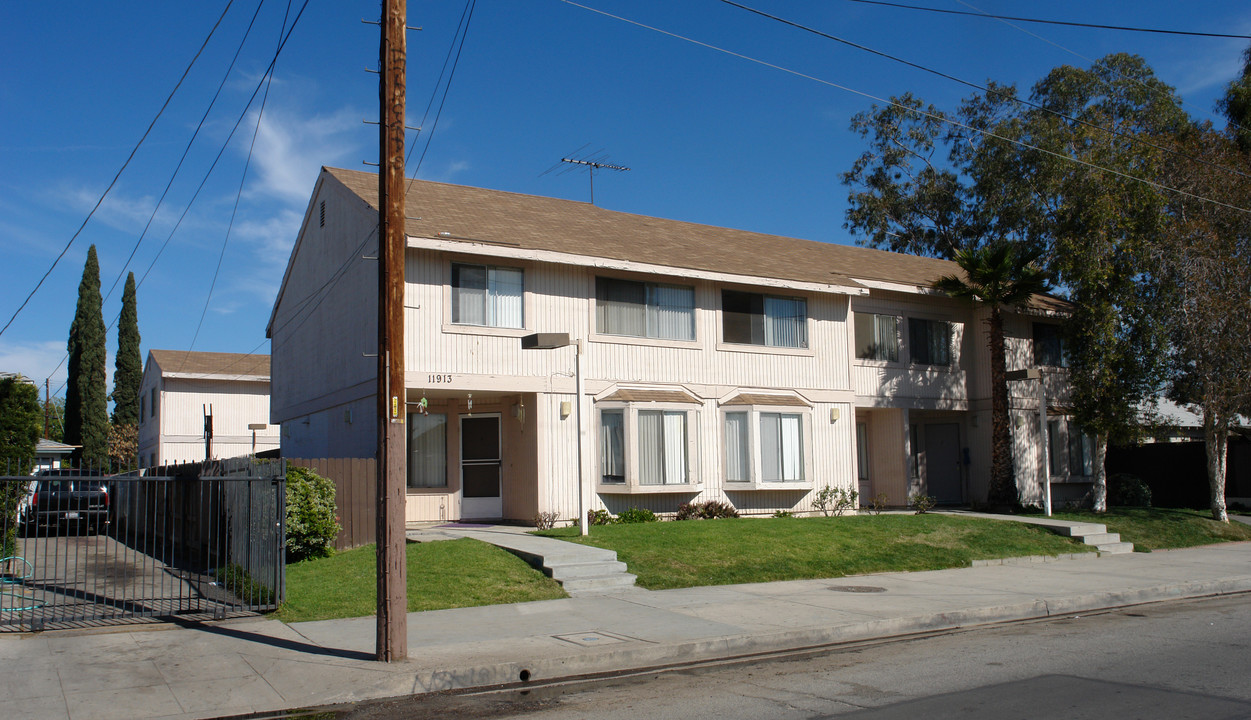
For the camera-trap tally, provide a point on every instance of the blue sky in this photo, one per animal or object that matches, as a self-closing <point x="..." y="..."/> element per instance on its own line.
<point x="710" y="137"/>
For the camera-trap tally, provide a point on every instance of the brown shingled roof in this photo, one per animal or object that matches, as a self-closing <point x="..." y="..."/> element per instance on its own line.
<point x="457" y="212"/>
<point x="181" y="362"/>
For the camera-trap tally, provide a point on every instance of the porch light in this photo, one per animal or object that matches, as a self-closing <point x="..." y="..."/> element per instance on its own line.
<point x="551" y="341"/>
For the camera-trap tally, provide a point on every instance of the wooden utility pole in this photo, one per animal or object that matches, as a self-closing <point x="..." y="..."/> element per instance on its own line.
<point x="392" y="239"/>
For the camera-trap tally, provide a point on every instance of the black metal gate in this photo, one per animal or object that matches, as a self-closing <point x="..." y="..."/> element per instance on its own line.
<point x="194" y="541"/>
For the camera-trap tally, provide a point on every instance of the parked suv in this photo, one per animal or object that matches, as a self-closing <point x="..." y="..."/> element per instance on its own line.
<point x="59" y="499"/>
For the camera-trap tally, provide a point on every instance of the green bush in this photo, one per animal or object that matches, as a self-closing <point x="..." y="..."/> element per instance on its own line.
<point x="783" y="514"/>
<point x="312" y="522"/>
<point x="921" y="503"/>
<point x="636" y="515"/>
<point x="599" y="517"/>
<point x="245" y="587"/>
<point x="1126" y="490"/>
<point x="834" y="500"/>
<point x="711" y="510"/>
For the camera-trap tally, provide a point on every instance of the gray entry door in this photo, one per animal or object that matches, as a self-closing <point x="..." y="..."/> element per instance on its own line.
<point x="943" y="477"/>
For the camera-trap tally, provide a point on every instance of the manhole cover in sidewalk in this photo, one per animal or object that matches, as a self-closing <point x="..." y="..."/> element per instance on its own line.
<point x="589" y="639"/>
<point x="857" y="588"/>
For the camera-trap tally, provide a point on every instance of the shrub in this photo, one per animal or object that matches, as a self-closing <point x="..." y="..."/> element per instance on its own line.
<point x="1126" y="490"/>
<point x="311" y="520"/>
<point x="245" y="587"/>
<point x="711" y="510"/>
<point x="783" y="514"/>
<point x="879" y="503"/>
<point x="636" y="515"/>
<point x="545" y="520"/>
<point x="920" y="503"/>
<point x="834" y="500"/>
<point x="599" y="517"/>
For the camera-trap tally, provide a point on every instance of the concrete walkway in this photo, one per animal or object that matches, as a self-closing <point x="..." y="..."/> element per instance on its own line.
<point x="258" y="665"/>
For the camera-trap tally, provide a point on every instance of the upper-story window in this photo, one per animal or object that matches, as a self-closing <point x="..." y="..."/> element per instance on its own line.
<point x="757" y="319"/>
<point x="487" y="295"/>
<point x="651" y="310"/>
<point x="877" y="337"/>
<point x="1049" y="346"/>
<point x="929" y="341"/>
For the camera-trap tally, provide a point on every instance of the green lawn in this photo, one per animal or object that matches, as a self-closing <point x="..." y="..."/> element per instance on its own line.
<point x="722" y="552"/>
<point x="1162" y="528"/>
<point x="441" y="575"/>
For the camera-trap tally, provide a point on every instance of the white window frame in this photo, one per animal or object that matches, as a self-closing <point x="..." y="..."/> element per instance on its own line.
<point x="649" y="288"/>
<point x="802" y="349"/>
<point x="632" y="481"/>
<point x="874" y="318"/>
<point x="487" y="321"/>
<point x="756" y="476"/>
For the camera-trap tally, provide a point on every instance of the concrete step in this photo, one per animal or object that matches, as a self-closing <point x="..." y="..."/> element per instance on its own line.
<point x="1080" y="529"/>
<point x="1103" y="538"/>
<point x="1116" y="548"/>
<point x="598" y="585"/>
<point x="570" y="570"/>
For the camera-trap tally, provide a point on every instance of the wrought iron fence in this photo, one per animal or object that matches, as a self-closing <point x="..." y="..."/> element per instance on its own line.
<point x="83" y="548"/>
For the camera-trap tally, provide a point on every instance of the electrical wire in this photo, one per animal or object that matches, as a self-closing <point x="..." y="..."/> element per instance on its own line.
<point x="186" y="150"/>
<point x="120" y="170"/>
<point x="260" y="115"/>
<point x="1096" y="26"/>
<point x="940" y="118"/>
<point x="470" y="5"/>
<point x="1028" y="103"/>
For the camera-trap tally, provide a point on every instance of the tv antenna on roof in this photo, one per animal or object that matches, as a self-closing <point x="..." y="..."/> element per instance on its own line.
<point x="592" y="163"/>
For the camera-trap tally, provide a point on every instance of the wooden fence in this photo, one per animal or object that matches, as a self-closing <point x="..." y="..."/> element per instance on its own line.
<point x="355" y="484"/>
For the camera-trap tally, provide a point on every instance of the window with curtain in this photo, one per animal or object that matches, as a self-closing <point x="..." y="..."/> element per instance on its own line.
<point x="877" y="337"/>
<point x="1049" y="346"/>
<point x="662" y="447"/>
<point x="612" y="446"/>
<point x="487" y="295"/>
<point x="930" y="341"/>
<point x="862" y="452"/>
<point x="781" y="447"/>
<point x="1081" y="452"/>
<point x="1055" y="448"/>
<point x="636" y="309"/>
<point x="756" y="319"/>
<point x="427" y="450"/>
<point x="737" y="462"/>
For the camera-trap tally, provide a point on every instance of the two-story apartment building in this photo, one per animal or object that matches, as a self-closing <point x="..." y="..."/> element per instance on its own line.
<point x="185" y="395"/>
<point x="713" y="363"/>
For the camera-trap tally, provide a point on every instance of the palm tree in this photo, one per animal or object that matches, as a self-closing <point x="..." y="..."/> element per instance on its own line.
<point x="997" y="275"/>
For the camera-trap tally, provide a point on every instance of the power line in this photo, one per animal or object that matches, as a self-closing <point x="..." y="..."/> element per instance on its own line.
<point x="987" y="90"/>
<point x="260" y="115"/>
<point x="1096" y="26"/>
<point x="121" y="169"/>
<point x="939" y="118"/>
<point x="466" y="17"/>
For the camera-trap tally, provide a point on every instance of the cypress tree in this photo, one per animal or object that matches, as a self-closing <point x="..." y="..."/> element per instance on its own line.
<point x="86" y="396"/>
<point x="128" y="365"/>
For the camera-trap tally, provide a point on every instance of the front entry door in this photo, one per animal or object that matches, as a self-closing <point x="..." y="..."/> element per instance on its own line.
<point x="943" y="477"/>
<point x="480" y="467"/>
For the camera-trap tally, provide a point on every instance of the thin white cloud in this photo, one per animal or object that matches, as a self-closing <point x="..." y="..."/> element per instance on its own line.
<point x="35" y="360"/>
<point x="291" y="148"/>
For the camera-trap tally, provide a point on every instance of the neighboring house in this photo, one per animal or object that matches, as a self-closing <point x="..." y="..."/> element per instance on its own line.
<point x="52" y="455"/>
<point x="717" y="363"/>
<point x="180" y="389"/>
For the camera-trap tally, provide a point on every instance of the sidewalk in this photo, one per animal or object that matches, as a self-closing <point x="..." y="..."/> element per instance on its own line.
<point x="238" y="667"/>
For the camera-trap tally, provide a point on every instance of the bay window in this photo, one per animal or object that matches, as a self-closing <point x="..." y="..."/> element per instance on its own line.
<point x="643" y="448"/>
<point x="765" y="446"/>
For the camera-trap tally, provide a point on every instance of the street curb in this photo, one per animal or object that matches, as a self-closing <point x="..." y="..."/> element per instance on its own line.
<point x="653" y="657"/>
